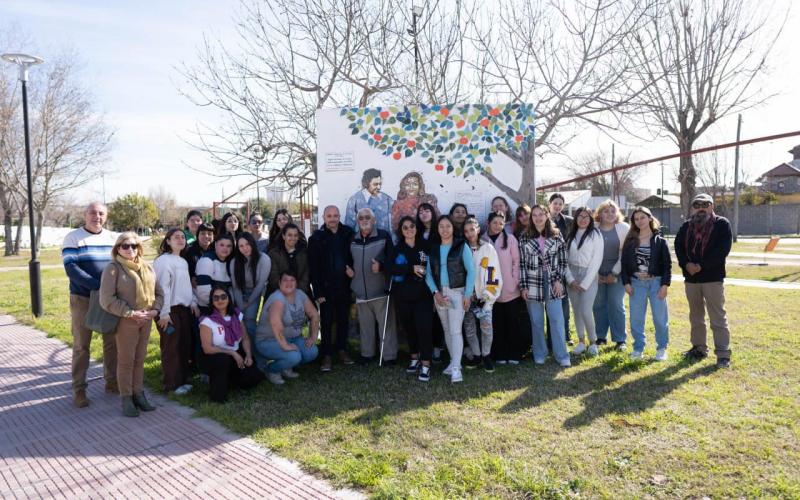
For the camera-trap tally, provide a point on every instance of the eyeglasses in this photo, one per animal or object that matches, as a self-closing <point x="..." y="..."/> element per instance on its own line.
<point x="406" y="227"/>
<point x="129" y="246"/>
<point x="701" y="204"/>
<point x="584" y="216"/>
<point x="220" y="296"/>
<point x="364" y="217"/>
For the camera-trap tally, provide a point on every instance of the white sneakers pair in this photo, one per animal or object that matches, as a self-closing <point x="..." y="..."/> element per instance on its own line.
<point x="277" y="378"/>
<point x="581" y="348"/>
<point x="661" y="355"/>
<point x="455" y="374"/>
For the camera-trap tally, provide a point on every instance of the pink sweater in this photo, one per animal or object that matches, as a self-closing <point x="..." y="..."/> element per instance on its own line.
<point x="509" y="266"/>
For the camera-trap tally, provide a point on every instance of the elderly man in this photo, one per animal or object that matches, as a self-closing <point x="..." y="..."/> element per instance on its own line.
<point x="255" y="225"/>
<point x="329" y="257"/>
<point x="370" y="251"/>
<point x="370" y="197"/>
<point x="701" y="245"/>
<point x="86" y="252"/>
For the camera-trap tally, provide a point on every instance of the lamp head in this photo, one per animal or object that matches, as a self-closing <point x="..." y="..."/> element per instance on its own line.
<point x="23" y="61"/>
<point x="417" y="9"/>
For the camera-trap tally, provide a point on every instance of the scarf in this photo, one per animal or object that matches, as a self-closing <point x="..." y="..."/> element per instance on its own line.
<point x="700" y="235"/>
<point x="232" y="327"/>
<point x="143" y="277"/>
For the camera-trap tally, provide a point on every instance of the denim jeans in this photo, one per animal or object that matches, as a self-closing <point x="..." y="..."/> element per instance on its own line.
<point x="609" y="311"/>
<point x="283" y="360"/>
<point x="642" y="291"/>
<point x="250" y="321"/>
<point x="555" y="312"/>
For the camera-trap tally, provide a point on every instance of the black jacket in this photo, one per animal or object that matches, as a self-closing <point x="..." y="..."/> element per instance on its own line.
<point x="563" y="223"/>
<point x="297" y="262"/>
<point x="328" y="254"/>
<point x="712" y="261"/>
<point x="193" y="254"/>
<point x="406" y="285"/>
<point x="660" y="261"/>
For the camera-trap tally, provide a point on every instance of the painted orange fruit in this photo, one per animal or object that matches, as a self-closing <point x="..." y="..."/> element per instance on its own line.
<point x="463" y="140"/>
<point x="397" y="155"/>
<point x="444" y="111"/>
<point x="494" y="111"/>
<point x="485" y="122"/>
<point x="460" y="123"/>
<point x="377" y="137"/>
<point x="411" y="144"/>
<point x="384" y="114"/>
<point x="439" y="167"/>
<point x="519" y="138"/>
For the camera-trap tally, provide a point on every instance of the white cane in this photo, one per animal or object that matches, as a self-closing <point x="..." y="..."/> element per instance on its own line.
<point x="385" y="320"/>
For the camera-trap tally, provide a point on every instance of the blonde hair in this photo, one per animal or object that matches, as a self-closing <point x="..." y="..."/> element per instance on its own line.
<point x="598" y="213"/>
<point x="122" y="238"/>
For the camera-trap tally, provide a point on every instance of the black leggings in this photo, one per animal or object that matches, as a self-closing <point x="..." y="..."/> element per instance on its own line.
<point x="416" y="317"/>
<point x="223" y="374"/>
<point x="508" y="342"/>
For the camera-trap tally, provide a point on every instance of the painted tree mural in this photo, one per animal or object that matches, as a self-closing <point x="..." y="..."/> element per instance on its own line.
<point x="458" y="139"/>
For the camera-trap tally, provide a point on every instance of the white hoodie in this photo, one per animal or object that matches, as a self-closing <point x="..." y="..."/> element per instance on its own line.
<point x="488" y="279"/>
<point x="589" y="256"/>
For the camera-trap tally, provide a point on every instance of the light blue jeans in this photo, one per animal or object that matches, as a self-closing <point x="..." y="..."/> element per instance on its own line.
<point x="250" y="322"/>
<point x="609" y="311"/>
<point x="283" y="360"/>
<point x="555" y="312"/>
<point x="642" y="291"/>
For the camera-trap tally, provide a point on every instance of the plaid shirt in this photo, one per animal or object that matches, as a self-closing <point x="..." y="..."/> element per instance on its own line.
<point x="533" y="262"/>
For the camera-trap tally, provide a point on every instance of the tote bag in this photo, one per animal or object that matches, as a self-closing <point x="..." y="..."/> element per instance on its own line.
<point x="98" y="319"/>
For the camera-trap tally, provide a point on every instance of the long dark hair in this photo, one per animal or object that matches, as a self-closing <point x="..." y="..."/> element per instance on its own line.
<point x="632" y="238"/>
<point x="508" y="207"/>
<point x="301" y="238"/>
<point x="493" y="216"/>
<point x="417" y="234"/>
<point x="274" y="230"/>
<point x="222" y="223"/>
<point x="550" y="231"/>
<point x="231" y="309"/>
<point x="238" y="264"/>
<point x="435" y="238"/>
<point x="573" y="230"/>
<point x="516" y="227"/>
<point x="164" y="246"/>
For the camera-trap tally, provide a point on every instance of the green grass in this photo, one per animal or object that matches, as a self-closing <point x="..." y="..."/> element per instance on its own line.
<point x="782" y="248"/>
<point x="789" y="274"/>
<point x="605" y="428"/>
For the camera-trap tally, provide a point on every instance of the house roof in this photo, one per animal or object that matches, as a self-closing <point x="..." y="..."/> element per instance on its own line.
<point x="783" y="170"/>
<point x="570" y="196"/>
<point x="655" y="200"/>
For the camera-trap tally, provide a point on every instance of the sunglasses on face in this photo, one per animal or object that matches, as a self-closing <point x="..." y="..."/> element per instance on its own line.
<point x="405" y="228"/>
<point x="220" y="296"/>
<point x="129" y="246"/>
<point x="701" y="204"/>
<point x="584" y="216"/>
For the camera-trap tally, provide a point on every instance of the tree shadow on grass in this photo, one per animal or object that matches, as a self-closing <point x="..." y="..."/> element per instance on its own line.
<point x="636" y="395"/>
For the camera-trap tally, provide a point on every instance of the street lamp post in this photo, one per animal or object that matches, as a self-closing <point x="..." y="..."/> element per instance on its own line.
<point x="416" y="12"/>
<point x="23" y="62"/>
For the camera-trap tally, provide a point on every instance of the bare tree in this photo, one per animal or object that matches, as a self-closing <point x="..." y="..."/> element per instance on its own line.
<point x="168" y="210"/>
<point x="622" y="182"/>
<point x="700" y="60"/>
<point x="571" y="59"/>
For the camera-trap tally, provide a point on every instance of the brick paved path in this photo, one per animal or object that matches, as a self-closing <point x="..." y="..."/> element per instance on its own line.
<point x="49" y="448"/>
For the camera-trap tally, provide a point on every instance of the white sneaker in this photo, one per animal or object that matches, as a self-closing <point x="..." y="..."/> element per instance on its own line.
<point x="275" y="378"/>
<point x="593" y="350"/>
<point x="501" y="362"/>
<point x="636" y="355"/>
<point x="455" y="376"/>
<point x="289" y="373"/>
<point x="180" y="391"/>
<point x="447" y="371"/>
<point x="661" y="355"/>
<point x="513" y="362"/>
<point x="579" y="349"/>
<point x="565" y="363"/>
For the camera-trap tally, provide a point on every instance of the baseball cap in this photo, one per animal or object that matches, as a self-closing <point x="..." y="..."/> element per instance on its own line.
<point x="703" y="197"/>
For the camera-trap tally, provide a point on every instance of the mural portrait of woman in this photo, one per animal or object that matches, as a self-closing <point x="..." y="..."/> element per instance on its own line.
<point x="410" y="196"/>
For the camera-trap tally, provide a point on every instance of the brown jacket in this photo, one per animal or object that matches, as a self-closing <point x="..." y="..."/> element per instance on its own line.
<point x="118" y="291"/>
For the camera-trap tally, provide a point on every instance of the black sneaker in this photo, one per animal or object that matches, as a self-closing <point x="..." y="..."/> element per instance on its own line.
<point x="424" y="373"/>
<point x="473" y="363"/>
<point x="723" y="363"/>
<point x="601" y="342"/>
<point x="437" y="355"/>
<point x="389" y="362"/>
<point x="413" y="366"/>
<point x="365" y="360"/>
<point x="488" y="365"/>
<point x="695" y="353"/>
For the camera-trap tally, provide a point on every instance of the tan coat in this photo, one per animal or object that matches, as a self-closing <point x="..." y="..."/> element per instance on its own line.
<point x="118" y="291"/>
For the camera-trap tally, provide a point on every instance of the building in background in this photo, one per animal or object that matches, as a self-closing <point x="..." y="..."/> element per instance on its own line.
<point x="785" y="178"/>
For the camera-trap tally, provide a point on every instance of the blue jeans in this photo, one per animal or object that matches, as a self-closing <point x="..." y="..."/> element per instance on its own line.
<point x="250" y="322"/>
<point x="609" y="311"/>
<point x="283" y="360"/>
<point x="555" y="313"/>
<point x="643" y="290"/>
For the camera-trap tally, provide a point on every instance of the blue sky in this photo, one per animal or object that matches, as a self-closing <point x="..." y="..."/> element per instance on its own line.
<point x="130" y="50"/>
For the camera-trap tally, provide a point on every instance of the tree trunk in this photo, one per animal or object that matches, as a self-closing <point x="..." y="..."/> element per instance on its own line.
<point x="687" y="175"/>
<point x="8" y="224"/>
<point x="39" y="224"/>
<point x="527" y="191"/>
<point x="17" y="240"/>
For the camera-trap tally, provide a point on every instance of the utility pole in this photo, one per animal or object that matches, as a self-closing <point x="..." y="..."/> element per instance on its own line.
<point x="613" y="176"/>
<point x="736" y="181"/>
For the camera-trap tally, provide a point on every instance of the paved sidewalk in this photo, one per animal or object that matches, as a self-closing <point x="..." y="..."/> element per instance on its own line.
<point x="50" y="449"/>
<point x="782" y="285"/>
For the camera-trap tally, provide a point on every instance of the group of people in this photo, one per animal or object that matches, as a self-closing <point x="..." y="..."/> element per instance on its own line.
<point x="233" y="303"/>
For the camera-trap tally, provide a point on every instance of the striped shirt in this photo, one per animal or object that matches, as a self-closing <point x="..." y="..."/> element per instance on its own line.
<point x="85" y="255"/>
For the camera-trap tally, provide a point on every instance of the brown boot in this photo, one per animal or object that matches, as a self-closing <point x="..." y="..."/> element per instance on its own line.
<point x="327" y="364"/>
<point x="79" y="399"/>
<point x="112" y="387"/>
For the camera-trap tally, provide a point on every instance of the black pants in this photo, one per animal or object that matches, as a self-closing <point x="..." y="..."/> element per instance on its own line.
<point x="334" y="310"/>
<point x="416" y="318"/>
<point x="508" y="342"/>
<point x="223" y="375"/>
<point x="437" y="331"/>
<point x="565" y="309"/>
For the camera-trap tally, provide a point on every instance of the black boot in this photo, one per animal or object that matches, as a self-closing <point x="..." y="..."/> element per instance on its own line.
<point x="141" y="402"/>
<point x="128" y="407"/>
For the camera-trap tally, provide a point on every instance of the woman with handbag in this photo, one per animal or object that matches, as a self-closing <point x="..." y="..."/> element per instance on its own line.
<point x="128" y="289"/>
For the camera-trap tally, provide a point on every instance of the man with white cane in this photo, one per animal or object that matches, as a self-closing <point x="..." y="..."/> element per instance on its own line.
<point x="370" y="250"/>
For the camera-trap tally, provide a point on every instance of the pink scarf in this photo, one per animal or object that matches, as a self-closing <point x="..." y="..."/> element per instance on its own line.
<point x="232" y="327"/>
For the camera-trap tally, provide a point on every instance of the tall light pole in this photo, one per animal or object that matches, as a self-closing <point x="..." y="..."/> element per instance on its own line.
<point x="416" y="12"/>
<point x="736" y="182"/>
<point x="23" y="62"/>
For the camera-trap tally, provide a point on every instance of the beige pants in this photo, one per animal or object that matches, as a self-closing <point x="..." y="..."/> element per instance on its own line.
<point x="81" y="342"/>
<point x="372" y="313"/>
<point x="131" y="350"/>
<point x="711" y="297"/>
